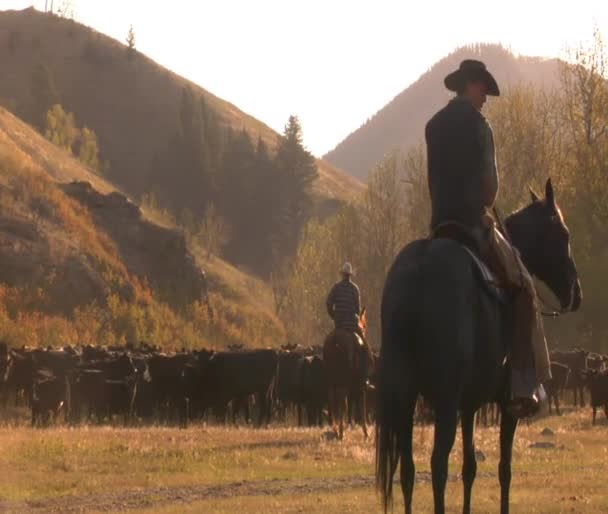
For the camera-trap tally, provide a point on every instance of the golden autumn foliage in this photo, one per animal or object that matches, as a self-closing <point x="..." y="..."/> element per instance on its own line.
<point x="63" y="279"/>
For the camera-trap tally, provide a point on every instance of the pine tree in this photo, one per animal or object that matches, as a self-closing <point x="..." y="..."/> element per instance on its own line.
<point x="131" y="43"/>
<point x="297" y="170"/>
<point x="183" y="173"/>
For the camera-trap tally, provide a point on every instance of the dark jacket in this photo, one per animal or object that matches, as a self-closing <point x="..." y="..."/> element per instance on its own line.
<point x="344" y="304"/>
<point x="460" y="152"/>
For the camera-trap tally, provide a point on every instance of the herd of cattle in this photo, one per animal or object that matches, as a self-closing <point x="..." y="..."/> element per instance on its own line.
<point x="98" y="385"/>
<point x="95" y="384"/>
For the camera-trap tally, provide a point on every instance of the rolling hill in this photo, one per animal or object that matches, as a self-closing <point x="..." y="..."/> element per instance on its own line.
<point x="400" y="124"/>
<point x="132" y="105"/>
<point x="80" y="262"/>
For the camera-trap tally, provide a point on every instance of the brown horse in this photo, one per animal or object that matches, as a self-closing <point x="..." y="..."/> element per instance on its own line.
<point x="346" y="363"/>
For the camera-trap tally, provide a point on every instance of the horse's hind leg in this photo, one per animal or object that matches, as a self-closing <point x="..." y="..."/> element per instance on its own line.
<point x="469" y="464"/>
<point x="333" y="410"/>
<point x="446" y="419"/>
<point x="408" y="469"/>
<point x="342" y="402"/>
<point x="508" y="424"/>
<point x="364" y="413"/>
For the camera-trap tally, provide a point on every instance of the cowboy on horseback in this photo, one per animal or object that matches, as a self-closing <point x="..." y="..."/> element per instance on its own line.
<point x="463" y="184"/>
<point x="345" y="351"/>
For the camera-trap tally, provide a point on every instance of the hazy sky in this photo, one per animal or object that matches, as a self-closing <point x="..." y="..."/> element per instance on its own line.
<point x="334" y="63"/>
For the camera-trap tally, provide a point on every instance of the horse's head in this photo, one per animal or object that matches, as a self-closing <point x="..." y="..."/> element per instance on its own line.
<point x="539" y="232"/>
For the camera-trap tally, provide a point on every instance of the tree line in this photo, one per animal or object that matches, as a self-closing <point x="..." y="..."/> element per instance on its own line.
<point x="263" y="195"/>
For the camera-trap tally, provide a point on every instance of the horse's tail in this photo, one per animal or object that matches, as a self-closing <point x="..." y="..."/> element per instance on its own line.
<point x="390" y="422"/>
<point x="397" y="391"/>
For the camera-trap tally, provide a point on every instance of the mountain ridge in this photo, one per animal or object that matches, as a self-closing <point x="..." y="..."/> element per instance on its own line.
<point x="400" y="123"/>
<point x="94" y="77"/>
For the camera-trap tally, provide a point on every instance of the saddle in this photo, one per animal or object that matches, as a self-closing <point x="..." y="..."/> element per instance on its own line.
<point x="477" y="245"/>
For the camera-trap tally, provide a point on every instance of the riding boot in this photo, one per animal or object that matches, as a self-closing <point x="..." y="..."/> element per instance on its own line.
<point x="525" y="398"/>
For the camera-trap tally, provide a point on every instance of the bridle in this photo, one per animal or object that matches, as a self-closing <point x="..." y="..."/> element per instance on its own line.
<point x="552" y="312"/>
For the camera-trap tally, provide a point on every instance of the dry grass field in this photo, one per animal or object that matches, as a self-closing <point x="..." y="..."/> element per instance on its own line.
<point x="282" y="470"/>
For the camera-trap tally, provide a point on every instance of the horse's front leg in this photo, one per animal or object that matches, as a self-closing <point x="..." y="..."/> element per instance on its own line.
<point x="469" y="464"/>
<point x="508" y="424"/>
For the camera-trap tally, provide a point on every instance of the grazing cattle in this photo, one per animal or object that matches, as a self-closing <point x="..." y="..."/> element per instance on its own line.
<point x="114" y="368"/>
<point x="6" y="363"/>
<point x="87" y="391"/>
<point x="20" y="379"/>
<point x="48" y="396"/>
<point x="595" y="361"/>
<point x="312" y="386"/>
<point x="287" y="387"/>
<point x="167" y="375"/>
<point x="59" y="362"/>
<point x="118" y="399"/>
<point x="559" y="381"/>
<point x="576" y="360"/>
<point x="233" y="375"/>
<point x="598" y="385"/>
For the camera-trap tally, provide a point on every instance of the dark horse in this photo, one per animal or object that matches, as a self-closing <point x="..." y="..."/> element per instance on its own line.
<point x="346" y="365"/>
<point x="445" y="337"/>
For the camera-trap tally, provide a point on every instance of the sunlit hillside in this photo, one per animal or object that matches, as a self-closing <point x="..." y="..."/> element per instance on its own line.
<point x="80" y="262"/>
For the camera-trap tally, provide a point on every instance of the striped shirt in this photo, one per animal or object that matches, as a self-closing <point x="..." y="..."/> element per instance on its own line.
<point x="344" y="304"/>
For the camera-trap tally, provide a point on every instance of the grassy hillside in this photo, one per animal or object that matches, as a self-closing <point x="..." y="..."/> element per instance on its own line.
<point x="400" y="124"/>
<point x="132" y="105"/>
<point x="80" y="262"/>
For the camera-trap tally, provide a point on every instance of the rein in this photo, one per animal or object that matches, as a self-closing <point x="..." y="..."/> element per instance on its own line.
<point x="551" y="312"/>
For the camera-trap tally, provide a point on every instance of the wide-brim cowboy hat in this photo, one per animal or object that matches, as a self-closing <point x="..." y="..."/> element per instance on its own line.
<point x="347" y="269"/>
<point x="473" y="71"/>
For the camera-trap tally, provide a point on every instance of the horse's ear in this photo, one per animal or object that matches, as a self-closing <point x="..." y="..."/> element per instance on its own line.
<point x="534" y="196"/>
<point x="549" y="195"/>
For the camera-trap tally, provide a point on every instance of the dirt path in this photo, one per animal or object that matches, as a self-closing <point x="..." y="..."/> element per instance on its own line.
<point x="159" y="496"/>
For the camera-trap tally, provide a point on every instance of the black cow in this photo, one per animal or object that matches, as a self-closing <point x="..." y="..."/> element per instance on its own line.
<point x="233" y="375"/>
<point x="167" y="376"/>
<point x="59" y="362"/>
<point x="598" y="385"/>
<point x="560" y="374"/>
<point x="576" y="360"/>
<point x="6" y="364"/>
<point x="118" y="399"/>
<point x="49" y="395"/>
<point x="22" y="373"/>
<point x="312" y="390"/>
<point x="595" y="361"/>
<point x="87" y="394"/>
<point x="114" y="368"/>
<point x="287" y="387"/>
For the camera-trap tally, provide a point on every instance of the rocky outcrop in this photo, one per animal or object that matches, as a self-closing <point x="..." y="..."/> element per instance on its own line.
<point x="157" y="255"/>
